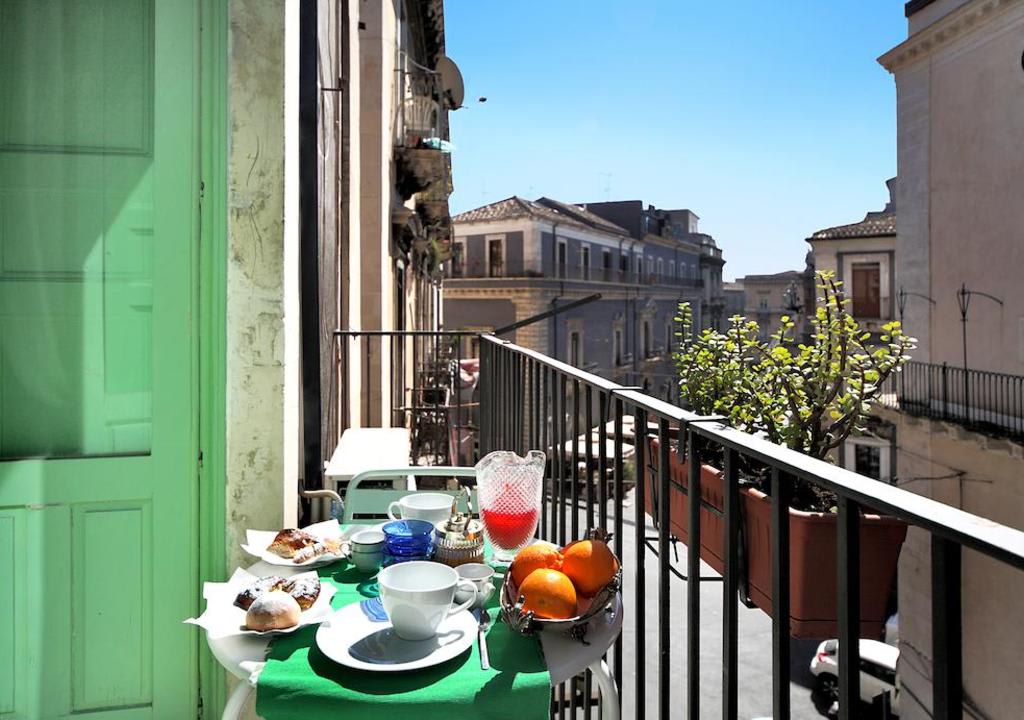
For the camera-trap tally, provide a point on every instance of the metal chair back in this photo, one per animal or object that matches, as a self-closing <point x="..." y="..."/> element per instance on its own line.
<point x="363" y="504"/>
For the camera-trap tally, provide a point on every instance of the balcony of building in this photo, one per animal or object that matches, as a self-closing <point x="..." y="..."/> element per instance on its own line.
<point x="422" y="150"/>
<point x="693" y="637"/>
<point x="985" y="402"/>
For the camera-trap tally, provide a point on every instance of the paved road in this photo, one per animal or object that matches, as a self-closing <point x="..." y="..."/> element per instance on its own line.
<point x="755" y="653"/>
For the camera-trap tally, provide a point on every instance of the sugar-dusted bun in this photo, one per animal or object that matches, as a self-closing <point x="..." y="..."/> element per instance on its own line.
<point x="256" y="588"/>
<point x="275" y="610"/>
<point x="305" y="589"/>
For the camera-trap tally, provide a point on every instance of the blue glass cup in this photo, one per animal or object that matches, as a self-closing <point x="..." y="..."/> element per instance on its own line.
<point x="406" y="540"/>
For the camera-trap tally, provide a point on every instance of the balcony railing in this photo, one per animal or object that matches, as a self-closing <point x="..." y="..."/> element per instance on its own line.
<point x="420" y="379"/>
<point x="600" y="274"/>
<point x="988" y="402"/>
<point x="528" y="400"/>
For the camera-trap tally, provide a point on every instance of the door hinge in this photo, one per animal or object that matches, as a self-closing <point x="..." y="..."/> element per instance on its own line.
<point x="200" y="459"/>
<point x="199" y="709"/>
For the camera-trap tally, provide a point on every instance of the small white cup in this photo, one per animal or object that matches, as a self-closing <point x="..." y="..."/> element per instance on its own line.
<point x="418" y="595"/>
<point x="480" y="575"/>
<point x="432" y="507"/>
<point x="367" y="540"/>
<point x="366" y="550"/>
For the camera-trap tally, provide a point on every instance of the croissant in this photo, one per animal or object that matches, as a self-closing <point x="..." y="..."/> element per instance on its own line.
<point x="316" y="550"/>
<point x="289" y="541"/>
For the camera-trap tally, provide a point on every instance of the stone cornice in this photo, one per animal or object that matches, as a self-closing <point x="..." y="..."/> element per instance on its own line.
<point x="943" y="31"/>
<point x="521" y="292"/>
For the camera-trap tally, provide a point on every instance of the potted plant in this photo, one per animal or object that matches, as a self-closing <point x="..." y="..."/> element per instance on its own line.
<point x="810" y="398"/>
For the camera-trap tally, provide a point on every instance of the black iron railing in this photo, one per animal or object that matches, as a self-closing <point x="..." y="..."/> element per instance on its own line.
<point x="529" y="400"/>
<point x="412" y="379"/>
<point x="985" y="401"/>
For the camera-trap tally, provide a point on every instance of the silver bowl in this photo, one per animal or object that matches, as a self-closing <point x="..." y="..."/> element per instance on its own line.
<point x="526" y="623"/>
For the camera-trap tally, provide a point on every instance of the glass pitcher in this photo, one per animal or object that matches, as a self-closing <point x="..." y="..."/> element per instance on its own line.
<point x="509" y="491"/>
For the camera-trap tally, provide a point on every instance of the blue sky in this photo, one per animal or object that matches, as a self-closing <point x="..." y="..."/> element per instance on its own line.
<point x="768" y="119"/>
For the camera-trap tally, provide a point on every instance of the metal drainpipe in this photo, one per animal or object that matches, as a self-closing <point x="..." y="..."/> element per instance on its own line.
<point x="561" y="287"/>
<point x="309" y="243"/>
<point x="631" y="314"/>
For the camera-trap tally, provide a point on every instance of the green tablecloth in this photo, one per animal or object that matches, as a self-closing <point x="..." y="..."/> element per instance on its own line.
<point x="299" y="683"/>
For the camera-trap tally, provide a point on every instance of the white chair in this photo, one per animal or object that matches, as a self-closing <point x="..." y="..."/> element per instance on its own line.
<point x="362" y="504"/>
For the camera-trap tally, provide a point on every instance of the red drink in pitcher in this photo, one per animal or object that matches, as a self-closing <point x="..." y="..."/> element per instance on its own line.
<point x="509" y="529"/>
<point x="509" y="491"/>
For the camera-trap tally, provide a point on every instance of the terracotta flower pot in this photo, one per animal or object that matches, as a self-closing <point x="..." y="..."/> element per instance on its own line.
<point x="812" y="550"/>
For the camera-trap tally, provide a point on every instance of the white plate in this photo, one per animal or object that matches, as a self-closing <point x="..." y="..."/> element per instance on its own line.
<point x="222" y="617"/>
<point x="257" y="542"/>
<point x="360" y="636"/>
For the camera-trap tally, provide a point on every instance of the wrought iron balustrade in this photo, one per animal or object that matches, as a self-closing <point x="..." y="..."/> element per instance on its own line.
<point x="417" y="376"/>
<point x="985" y="401"/>
<point x="529" y="400"/>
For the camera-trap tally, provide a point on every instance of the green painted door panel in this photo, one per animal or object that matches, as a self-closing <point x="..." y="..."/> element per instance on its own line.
<point x="98" y="438"/>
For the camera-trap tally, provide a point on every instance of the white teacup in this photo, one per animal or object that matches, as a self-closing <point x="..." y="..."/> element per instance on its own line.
<point x="480" y="575"/>
<point x="418" y="595"/>
<point x="366" y="550"/>
<point x="432" y="507"/>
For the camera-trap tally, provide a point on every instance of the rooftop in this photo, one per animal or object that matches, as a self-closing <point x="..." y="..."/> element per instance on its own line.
<point x="784" y="276"/>
<point x="541" y="209"/>
<point x="874" y="224"/>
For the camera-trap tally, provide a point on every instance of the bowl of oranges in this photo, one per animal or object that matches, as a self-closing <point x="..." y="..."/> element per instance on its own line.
<point x="560" y="589"/>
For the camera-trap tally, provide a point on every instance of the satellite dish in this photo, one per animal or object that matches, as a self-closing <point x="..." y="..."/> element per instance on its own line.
<point x="451" y="82"/>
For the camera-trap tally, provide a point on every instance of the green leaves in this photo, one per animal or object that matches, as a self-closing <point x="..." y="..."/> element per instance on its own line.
<point x="807" y="397"/>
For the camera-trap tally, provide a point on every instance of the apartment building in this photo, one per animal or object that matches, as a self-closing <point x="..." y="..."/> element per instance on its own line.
<point x="516" y="259"/>
<point x="862" y="256"/>
<point x="771" y="297"/>
<point x="957" y="409"/>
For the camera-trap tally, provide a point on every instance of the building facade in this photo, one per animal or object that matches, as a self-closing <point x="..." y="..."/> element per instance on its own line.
<point x="960" y="127"/>
<point x="735" y="301"/>
<point x="862" y="256"/>
<point x="516" y="259"/>
<point x="769" y="298"/>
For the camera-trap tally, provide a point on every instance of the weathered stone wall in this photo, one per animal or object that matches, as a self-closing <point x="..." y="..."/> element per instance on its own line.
<point x="980" y="475"/>
<point x="255" y="271"/>
<point x="960" y="108"/>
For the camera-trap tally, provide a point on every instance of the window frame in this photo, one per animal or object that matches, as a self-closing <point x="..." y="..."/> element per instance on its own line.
<point x="459" y="251"/>
<point x="885" y="455"/>
<point x="576" y="348"/>
<point x="872" y="267"/>
<point x="488" y="239"/>
<point x="561" y="258"/>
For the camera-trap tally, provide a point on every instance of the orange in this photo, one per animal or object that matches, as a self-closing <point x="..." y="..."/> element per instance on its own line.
<point x="549" y="594"/>
<point x="590" y="565"/>
<point x="534" y="557"/>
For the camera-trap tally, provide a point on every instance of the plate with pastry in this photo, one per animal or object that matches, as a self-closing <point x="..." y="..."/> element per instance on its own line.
<point x="310" y="547"/>
<point x="264" y="606"/>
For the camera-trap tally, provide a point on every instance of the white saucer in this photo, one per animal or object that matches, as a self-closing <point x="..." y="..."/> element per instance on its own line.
<point x="360" y="636"/>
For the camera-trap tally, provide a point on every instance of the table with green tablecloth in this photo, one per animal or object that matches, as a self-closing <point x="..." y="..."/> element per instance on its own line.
<point x="299" y="683"/>
<point x="293" y="679"/>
